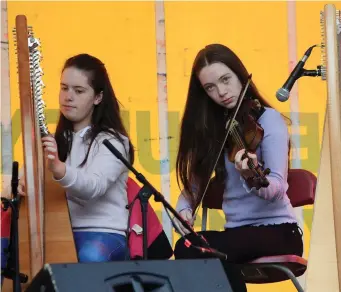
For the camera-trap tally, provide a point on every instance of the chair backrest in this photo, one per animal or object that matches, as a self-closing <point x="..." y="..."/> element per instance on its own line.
<point x="301" y="191"/>
<point x="302" y="186"/>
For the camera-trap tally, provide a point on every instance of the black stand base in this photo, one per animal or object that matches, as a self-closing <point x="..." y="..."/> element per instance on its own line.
<point x="12" y="268"/>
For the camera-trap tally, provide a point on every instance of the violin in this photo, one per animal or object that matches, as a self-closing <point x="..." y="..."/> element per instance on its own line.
<point x="246" y="133"/>
<point x="242" y="132"/>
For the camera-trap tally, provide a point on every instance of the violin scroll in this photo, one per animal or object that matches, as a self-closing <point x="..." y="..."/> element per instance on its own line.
<point x="258" y="179"/>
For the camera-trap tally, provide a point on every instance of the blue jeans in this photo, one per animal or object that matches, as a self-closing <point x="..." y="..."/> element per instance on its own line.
<point x="100" y="246"/>
<point x="4" y="245"/>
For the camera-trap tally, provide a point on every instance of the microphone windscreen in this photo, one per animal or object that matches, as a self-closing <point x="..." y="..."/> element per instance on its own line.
<point x="282" y="94"/>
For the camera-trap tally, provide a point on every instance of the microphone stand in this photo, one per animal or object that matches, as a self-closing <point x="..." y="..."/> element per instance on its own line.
<point x="311" y="73"/>
<point x="145" y="193"/>
<point x="12" y="267"/>
<point x="299" y="71"/>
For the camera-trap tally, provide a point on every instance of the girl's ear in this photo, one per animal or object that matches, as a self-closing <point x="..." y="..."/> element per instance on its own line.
<point x="98" y="98"/>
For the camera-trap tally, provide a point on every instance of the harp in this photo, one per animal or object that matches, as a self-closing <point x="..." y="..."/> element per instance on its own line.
<point x="324" y="263"/>
<point x="45" y="234"/>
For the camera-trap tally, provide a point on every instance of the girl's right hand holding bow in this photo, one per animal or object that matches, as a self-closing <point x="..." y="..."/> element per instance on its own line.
<point x="185" y="214"/>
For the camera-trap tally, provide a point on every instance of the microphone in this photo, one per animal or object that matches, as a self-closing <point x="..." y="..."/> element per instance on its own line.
<point x="117" y="153"/>
<point x="283" y="93"/>
<point x="208" y="250"/>
<point x="216" y="253"/>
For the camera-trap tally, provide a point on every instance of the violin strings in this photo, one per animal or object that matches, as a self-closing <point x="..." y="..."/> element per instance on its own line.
<point x="239" y="141"/>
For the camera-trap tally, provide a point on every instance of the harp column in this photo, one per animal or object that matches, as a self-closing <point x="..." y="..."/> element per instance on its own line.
<point x="324" y="270"/>
<point x="294" y="105"/>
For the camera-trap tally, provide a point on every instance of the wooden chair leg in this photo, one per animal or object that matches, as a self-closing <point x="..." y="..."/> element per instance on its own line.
<point x="204" y="219"/>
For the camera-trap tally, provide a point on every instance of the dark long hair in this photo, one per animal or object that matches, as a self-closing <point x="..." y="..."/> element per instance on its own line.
<point x="106" y="115"/>
<point x="202" y="126"/>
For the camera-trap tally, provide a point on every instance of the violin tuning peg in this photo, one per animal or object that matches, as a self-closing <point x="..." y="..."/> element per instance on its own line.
<point x="267" y="171"/>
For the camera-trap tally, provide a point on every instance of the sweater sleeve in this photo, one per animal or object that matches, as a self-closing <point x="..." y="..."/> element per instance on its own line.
<point x="182" y="203"/>
<point x="93" y="179"/>
<point x="274" y="150"/>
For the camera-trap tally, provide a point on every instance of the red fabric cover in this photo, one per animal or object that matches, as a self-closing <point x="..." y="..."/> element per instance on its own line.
<point x="5" y="223"/>
<point x="154" y="225"/>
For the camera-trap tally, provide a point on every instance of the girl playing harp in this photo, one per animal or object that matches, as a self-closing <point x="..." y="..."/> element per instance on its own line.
<point x="94" y="179"/>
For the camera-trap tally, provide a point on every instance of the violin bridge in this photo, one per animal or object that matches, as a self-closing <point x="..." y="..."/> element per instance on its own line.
<point x="258" y="104"/>
<point x="234" y="124"/>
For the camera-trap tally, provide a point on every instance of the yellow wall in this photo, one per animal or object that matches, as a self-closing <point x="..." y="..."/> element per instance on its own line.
<point x="122" y="35"/>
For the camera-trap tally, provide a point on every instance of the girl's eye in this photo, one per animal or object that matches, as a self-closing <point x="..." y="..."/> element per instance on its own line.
<point x="226" y="79"/>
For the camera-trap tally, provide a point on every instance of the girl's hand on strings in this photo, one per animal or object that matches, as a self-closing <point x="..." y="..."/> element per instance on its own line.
<point x="21" y="187"/>
<point x="51" y="154"/>
<point x="241" y="163"/>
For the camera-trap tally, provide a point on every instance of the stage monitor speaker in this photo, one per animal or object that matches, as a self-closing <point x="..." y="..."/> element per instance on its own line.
<point x="195" y="275"/>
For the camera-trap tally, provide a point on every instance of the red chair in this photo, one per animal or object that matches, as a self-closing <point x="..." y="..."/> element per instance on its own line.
<point x="301" y="192"/>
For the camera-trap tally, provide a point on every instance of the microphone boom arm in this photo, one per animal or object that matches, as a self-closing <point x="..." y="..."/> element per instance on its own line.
<point x="147" y="191"/>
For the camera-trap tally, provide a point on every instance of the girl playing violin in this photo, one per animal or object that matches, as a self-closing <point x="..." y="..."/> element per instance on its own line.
<point x="260" y="221"/>
<point x="94" y="179"/>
